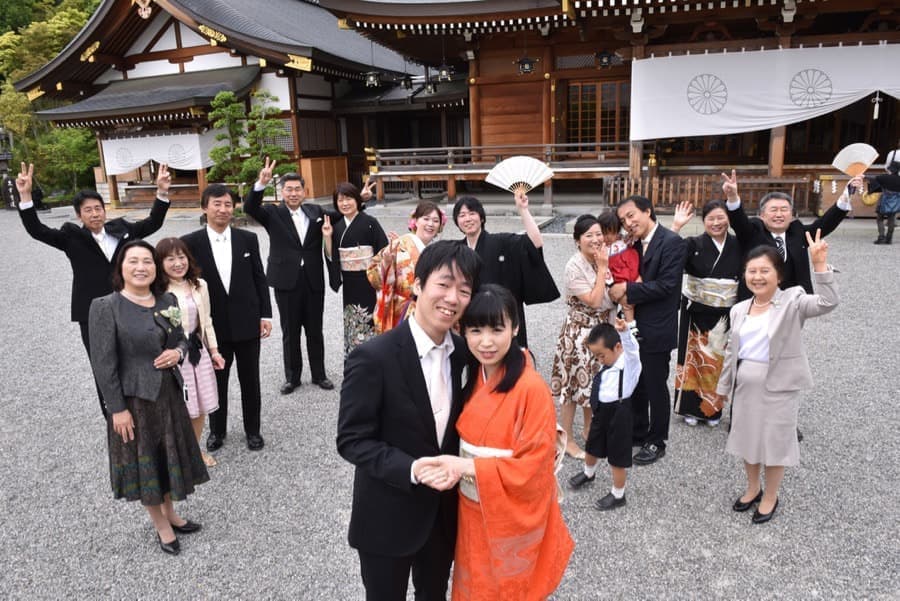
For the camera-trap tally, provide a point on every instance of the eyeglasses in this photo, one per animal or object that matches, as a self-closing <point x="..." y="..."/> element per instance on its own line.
<point x="292" y="189"/>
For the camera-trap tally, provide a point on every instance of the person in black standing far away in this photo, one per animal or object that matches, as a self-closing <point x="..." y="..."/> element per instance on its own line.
<point x="296" y="272"/>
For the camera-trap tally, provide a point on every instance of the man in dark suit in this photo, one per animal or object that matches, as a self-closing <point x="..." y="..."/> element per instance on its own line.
<point x="656" y="300"/>
<point x="394" y="412"/>
<point x="92" y="247"/>
<point x="295" y="271"/>
<point x="776" y="226"/>
<point x="230" y="263"/>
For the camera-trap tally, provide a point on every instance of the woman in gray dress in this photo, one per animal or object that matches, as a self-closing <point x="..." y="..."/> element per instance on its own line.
<point x="766" y="370"/>
<point x="137" y="343"/>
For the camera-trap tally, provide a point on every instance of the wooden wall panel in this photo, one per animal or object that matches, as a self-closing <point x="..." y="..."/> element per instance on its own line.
<point x="322" y="174"/>
<point x="510" y="113"/>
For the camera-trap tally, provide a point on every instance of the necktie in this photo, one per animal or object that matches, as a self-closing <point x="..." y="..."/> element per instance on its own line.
<point x="299" y="223"/>
<point x="644" y="245"/>
<point x="440" y="406"/>
<point x="779" y="245"/>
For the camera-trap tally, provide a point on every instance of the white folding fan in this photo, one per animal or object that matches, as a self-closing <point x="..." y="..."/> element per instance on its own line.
<point x="519" y="173"/>
<point x="855" y="159"/>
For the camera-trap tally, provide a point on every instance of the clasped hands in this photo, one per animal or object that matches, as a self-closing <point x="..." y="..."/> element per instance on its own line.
<point x="442" y="472"/>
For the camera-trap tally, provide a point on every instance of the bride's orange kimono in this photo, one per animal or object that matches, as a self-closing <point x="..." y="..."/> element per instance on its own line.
<point x="512" y="543"/>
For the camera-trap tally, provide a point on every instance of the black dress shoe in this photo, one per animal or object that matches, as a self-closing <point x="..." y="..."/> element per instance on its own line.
<point x="762" y="518"/>
<point x="324" y="384"/>
<point x="648" y="454"/>
<point x="288" y="387"/>
<point x="609" y="502"/>
<point x="744" y="506"/>
<point x="799" y="435"/>
<point x="173" y="548"/>
<point x="580" y="479"/>
<point x="255" y="442"/>
<point x="187" y="527"/>
<point x="214" y="442"/>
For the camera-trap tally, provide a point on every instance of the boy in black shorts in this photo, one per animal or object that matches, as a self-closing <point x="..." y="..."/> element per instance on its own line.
<point x="610" y="433"/>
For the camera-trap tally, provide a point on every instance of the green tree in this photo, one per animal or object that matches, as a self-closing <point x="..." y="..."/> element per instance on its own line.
<point x="263" y="129"/>
<point x="228" y="115"/>
<point x="67" y="154"/>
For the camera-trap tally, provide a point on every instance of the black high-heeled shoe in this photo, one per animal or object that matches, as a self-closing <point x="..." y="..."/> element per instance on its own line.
<point x="744" y="506"/>
<point x="762" y="518"/>
<point x="187" y="527"/>
<point x="173" y="548"/>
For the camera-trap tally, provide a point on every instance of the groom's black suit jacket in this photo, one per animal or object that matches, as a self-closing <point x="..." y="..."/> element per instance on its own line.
<point x="385" y="422"/>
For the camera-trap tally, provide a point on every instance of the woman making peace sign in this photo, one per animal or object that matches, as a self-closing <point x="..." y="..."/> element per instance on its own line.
<point x="766" y="369"/>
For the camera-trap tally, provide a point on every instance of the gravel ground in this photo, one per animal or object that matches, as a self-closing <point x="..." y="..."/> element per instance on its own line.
<point x="275" y="522"/>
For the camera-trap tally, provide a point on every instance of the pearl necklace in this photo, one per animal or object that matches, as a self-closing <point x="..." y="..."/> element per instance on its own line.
<point x="135" y="297"/>
<point x="768" y="302"/>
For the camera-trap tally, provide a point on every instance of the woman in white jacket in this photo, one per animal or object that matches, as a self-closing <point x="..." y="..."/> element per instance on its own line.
<point x="766" y="370"/>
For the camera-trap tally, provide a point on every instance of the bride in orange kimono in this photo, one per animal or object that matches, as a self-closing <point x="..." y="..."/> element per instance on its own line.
<point x="512" y="543"/>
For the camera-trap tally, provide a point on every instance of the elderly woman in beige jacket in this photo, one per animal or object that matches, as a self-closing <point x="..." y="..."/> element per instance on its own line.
<point x="766" y="370"/>
<point x="181" y="276"/>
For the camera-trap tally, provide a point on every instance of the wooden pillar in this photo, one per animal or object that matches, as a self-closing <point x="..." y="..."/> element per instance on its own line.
<point x="474" y="105"/>
<point x="113" y="191"/>
<point x="776" y="151"/>
<point x="444" y="127"/>
<point x="635" y="157"/>
<point x="201" y="182"/>
<point x="451" y="188"/>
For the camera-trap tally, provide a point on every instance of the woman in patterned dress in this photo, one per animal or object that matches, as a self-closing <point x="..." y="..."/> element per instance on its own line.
<point x="181" y="275"/>
<point x="589" y="304"/>
<point x="713" y="267"/>
<point x="350" y="244"/>
<point x="137" y="342"/>
<point x="392" y="271"/>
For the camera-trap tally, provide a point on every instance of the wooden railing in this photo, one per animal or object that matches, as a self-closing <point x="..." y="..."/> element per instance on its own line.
<point x="612" y="156"/>
<point x="668" y="190"/>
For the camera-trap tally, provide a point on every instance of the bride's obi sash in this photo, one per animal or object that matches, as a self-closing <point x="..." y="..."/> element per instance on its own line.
<point x="467" y="485"/>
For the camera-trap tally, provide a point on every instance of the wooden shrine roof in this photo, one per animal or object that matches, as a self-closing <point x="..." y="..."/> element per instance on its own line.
<point x="161" y="94"/>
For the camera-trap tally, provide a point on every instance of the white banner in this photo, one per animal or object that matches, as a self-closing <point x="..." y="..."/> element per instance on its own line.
<point x="734" y="92"/>
<point x="184" y="151"/>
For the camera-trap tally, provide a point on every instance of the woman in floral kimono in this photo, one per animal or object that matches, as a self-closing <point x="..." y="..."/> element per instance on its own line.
<point x="392" y="271"/>
<point x="713" y="267"/>
<point x="512" y="543"/>
<point x="350" y="245"/>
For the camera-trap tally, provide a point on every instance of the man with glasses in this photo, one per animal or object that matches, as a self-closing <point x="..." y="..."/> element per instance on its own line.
<point x="776" y="226"/>
<point x="295" y="270"/>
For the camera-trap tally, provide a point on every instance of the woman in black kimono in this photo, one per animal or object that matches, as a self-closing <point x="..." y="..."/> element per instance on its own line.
<point x="713" y="268"/>
<point x="515" y="261"/>
<point x="350" y="244"/>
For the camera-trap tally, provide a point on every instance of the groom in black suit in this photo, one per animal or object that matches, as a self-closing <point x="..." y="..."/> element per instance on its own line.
<point x="656" y="300"/>
<point x="241" y="311"/>
<point x="392" y="414"/>
<point x="91" y="247"/>
<point x="295" y="271"/>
